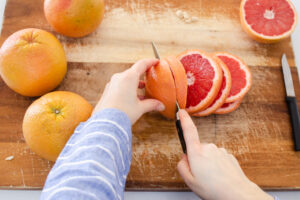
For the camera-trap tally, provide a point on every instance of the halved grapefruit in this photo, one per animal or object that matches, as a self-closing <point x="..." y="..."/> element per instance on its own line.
<point x="204" y="79"/>
<point x="268" y="21"/>
<point x="167" y="83"/>
<point x="228" y="107"/>
<point x="223" y="92"/>
<point x="241" y="78"/>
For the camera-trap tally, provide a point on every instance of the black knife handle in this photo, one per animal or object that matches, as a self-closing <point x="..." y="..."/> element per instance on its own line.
<point x="293" y="109"/>
<point x="180" y="134"/>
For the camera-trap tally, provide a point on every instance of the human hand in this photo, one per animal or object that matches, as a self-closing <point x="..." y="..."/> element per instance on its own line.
<point x="121" y="92"/>
<point x="211" y="172"/>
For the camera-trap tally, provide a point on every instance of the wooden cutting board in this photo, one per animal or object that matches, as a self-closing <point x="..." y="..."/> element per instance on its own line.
<point x="258" y="133"/>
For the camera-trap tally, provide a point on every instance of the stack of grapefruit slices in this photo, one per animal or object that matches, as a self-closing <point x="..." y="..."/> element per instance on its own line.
<point x="201" y="83"/>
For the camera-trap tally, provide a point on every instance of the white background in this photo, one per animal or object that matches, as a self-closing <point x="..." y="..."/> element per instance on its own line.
<point x="283" y="195"/>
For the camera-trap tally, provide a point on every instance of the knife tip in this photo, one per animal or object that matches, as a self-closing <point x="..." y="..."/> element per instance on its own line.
<point x="283" y="57"/>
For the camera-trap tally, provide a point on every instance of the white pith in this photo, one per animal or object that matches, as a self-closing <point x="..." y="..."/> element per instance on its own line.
<point x="283" y="35"/>
<point x="269" y="14"/>
<point x="190" y="78"/>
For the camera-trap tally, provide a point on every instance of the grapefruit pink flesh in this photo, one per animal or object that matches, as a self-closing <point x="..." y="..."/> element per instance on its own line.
<point x="241" y="78"/>
<point x="269" y="17"/>
<point x="268" y="21"/>
<point x="222" y="94"/>
<point x="204" y="78"/>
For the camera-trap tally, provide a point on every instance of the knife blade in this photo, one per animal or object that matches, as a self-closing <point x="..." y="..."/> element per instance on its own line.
<point x="155" y="51"/>
<point x="177" y="122"/>
<point x="291" y="101"/>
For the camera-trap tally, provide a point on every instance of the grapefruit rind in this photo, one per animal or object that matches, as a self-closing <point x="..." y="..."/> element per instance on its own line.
<point x="264" y="38"/>
<point x="180" y="80"/>
<point x="167" y="83"/>
<point x="225" y="92"/>
<point x="245" y="68"/>
<point x="232" y="107"/>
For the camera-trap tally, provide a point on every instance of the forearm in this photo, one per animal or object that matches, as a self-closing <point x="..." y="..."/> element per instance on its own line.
<point x="95" y="162"/>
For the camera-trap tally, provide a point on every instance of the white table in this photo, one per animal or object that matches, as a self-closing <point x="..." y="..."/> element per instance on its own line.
<point x="283" y="195"/>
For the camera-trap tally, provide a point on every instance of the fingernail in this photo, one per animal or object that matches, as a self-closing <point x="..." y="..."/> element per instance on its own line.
<point x="161" y="107"/>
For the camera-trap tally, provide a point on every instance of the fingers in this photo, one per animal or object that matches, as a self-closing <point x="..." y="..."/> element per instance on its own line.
<point x="190" y="132"/>
<point x="184" y="170"/>
<point x="141" y="97"/>
<point x="223" y="150"/>
<point x="141" y="66"/>
<point x="141" y="84"/>
<point x="148" y="105"/>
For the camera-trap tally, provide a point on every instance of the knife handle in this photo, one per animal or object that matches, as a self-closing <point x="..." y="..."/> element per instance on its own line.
<point x="180" y="134"/>
<point x="293" y="109"/>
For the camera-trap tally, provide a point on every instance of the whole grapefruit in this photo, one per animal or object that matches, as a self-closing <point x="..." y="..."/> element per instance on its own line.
<point x="51" y="120"/>
<point x="32" y="62"/>
<point x="74" y="18"/>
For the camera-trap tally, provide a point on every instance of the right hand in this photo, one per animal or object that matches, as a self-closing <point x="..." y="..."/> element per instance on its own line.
<point x="211" y="172"/>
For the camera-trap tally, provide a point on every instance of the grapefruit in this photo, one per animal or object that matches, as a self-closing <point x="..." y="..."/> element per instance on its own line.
<point x="51" y="120"/>
<point x="204" y="79"/>
<point x="167" y="83"/>
<point x="228" y="107"/>
<point x="223" y="92"/>
<point x="74" y="18"/>
<point x="241" y="78"/>
<point x="32" y="62"/>
<point x="180" y="79"/>
<point x="268" y="21"/>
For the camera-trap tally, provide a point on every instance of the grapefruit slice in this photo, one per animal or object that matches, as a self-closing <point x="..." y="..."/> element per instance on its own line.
<point x="204" y="79"/>
<point x="228" y="107"/>
<point x="180" y="80"/>
<point x="223" y="92"/>
<point x="160" y="84"/>
<point x="241" y="78"/>
<point x="268" y="21"/>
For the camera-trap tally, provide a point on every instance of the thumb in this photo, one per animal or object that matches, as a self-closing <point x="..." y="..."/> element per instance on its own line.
<point x="148" y="105"/>
<point x="184" y="170"/>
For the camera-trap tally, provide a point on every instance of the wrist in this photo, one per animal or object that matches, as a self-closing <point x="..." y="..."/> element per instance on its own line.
<point x="255" y="192"/>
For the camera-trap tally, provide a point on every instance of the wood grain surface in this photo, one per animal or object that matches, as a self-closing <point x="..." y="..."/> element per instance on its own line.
<point x="258" y="133"/>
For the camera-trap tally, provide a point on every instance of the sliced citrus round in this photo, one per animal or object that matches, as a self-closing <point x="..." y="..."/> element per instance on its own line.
<point x="223" y="92"/>
<point x="241" y="78"/>
<point x="228" y="107"/>
<point x="268" y="21"/>
<point x="167" y="83"/>
<point x="204" y="79"/>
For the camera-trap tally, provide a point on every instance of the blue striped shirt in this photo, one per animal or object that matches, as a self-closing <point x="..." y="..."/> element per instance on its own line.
<point x="95" y="161"/>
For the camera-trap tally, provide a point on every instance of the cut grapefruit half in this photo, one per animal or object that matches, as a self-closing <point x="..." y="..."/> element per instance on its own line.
<point x="228" y="107"/>
<point x="167" y="83"/>
<point x="241" y="78"/>
<point x="268" y="21"/>
<point x="223" y="92"/>
<point x="204" y="79"/>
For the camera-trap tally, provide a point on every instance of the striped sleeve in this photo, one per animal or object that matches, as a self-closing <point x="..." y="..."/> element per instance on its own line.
<point x="95" y="161"/>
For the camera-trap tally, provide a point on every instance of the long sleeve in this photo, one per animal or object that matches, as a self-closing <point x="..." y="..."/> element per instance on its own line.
<point x="95" y="161"/>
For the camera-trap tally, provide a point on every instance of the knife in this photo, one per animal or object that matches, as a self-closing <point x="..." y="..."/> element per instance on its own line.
<point x="291" y="101"/>
<point x="178" y="122"/>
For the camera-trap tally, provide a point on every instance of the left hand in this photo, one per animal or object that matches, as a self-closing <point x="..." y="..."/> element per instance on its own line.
<point x="121" y="92"/>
